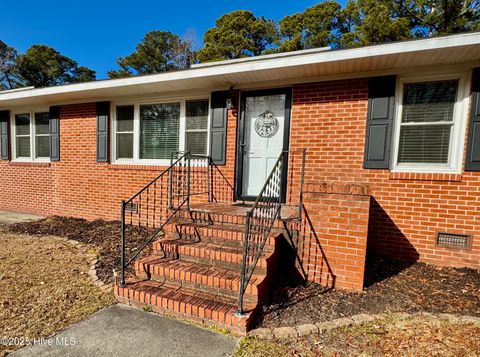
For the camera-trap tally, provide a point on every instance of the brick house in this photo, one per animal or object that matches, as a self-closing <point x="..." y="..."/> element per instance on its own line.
<point x="330" y="151"/>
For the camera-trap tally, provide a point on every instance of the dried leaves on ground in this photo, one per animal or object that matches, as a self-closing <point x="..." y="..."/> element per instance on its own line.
<point x="44" y="286"/>
<point x="105" y="235"/>
<point x="415" y="336"/>
<point x="394" y="287"/>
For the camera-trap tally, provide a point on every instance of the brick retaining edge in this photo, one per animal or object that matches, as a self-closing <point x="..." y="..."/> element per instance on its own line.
<point x="289" y="332"/>
<point x="92" y="272"/>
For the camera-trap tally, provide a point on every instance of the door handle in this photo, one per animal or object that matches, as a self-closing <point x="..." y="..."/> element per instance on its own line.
<point x="243" y="148"/>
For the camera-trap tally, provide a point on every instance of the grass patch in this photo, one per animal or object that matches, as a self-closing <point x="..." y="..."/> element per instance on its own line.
<point x="391" y="336"/>
<point x="44" y="286"/>
<point x="147" y="308"/>
<point x="221" y="330"/>
<point x="252" y="347"/>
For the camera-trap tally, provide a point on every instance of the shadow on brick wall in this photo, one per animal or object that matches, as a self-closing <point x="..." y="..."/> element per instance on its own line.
<point x="389" y="251"/>
<point x="307" y="253"/>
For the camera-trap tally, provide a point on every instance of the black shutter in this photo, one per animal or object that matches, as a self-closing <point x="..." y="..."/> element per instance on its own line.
<point x="54" y="128"/>
<point x="4" y="118"/>
<point x="218" y="127"/>
<point x="472" y="162"/>
<point x="103" y="112"/>
<point x="381" y="104"/>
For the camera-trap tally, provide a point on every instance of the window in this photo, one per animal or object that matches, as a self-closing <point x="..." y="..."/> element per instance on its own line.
<point x="42" y="135"/>
<point x="196" y="130"/>
<point x="124" y="132"/>
<point x="32" y="137"/>
<point x="150" y="133"/>
<point x="159" y="130"/>
<point x="22" y="135"/>
<point x="429" y="125"/>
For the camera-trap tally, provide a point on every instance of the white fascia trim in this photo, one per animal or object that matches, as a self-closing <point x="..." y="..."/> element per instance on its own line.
<point x="269" y="63"/>
<point x="261" y="57"/>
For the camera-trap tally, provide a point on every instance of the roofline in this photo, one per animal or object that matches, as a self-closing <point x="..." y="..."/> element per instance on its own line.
<point x="261" y="57"/>
<point x="266" y="62"/>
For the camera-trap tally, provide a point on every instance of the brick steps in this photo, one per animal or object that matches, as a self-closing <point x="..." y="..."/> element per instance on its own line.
<point x="232" y="213"/>
<point x="193" y="270"/>
<point x="230" y="234"/>
<point x="195" y="276"/>
<point x="217" y="255"/>
<point x="193" y="305"/>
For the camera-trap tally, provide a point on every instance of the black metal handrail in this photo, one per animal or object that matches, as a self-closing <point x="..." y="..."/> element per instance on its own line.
<point x="188" y="177"/>
<point x="260" y="219"/>
<point x="149" y="209"/>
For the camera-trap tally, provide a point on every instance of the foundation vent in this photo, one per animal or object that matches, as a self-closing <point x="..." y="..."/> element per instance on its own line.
<point x="131" y="207"/>
<point x="452" y="240"/>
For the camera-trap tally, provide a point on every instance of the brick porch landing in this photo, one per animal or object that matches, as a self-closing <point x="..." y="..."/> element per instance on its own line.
<point x="193" y="271"/>
<point x="239" y="209"/>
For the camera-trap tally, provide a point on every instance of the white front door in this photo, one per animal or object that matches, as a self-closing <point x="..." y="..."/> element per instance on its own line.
<point x="263" y="139"/>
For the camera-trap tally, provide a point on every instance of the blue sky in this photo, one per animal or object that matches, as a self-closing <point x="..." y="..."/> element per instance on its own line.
<point x="95" y="32"/>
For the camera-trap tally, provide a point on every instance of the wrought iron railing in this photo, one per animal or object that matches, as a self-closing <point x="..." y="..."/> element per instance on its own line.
<point x="189" y="178"/>
<point x="260" y="219"/>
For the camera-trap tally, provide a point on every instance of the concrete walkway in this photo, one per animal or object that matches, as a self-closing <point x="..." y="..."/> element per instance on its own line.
<point x="7" y="217"/>
<point x="120" y="330"/>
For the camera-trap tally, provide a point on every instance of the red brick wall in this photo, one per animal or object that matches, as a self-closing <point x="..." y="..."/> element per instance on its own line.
<point x="78" y="186"/>
<point x="333" y="234"/>
<point x="328" y="119"/>
<point x="407" y="209"/>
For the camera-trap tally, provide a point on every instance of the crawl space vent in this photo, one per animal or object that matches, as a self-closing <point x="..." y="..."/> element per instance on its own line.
<point x="451" y="240"/>
<point x="131" y="207"/>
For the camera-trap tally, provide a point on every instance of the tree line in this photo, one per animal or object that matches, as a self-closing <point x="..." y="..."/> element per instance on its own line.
<point x="242" y="34"/>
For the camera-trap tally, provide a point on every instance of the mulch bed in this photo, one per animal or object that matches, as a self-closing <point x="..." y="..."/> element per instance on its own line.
<point x="393" y="286"/>
<point x="103" y="235"/>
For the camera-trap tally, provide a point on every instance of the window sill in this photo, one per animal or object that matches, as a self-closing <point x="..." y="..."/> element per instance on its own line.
<point x="137" y="167"/>
<point x="30" y="163"/>
<point x="425" y="176"/>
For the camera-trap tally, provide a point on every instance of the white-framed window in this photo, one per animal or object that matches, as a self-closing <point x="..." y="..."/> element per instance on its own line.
<point x="31" y="136"/>
<point x="148" y="132"/>
<point x="430" y="123"/>
<point x="196" y="127"/>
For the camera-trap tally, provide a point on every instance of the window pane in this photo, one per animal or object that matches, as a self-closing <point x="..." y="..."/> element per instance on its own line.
<point x="23" y="146"/>
<point x="125" y="118"/>
<point x="424" y="144"/>
<point x="196" y="142"/>
<point x="429" y="102"/>
<point x="41" y="123"/>
<point x="159" y="130"/>
<point x="42" y="146"/>
<point x="22" y="124"/>
<point x="124" y="146"/>
<point x="197" y="114"/>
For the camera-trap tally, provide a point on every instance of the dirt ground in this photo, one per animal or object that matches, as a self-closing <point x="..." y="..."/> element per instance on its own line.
<point x="104" y="235"/>
<point x="415" y="336"/>
<point x="44" y="287"/>
<point x="393" y="287"/>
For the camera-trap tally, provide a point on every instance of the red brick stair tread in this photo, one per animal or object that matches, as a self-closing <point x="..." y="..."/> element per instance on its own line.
<point x="208" y="250"/>
<point x="182" y="222"/>
<point x="173" y="268"/>
<point x="183" y="301"/>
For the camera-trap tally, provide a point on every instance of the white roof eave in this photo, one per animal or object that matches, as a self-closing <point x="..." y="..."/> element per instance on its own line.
<point x="235" y="67"/>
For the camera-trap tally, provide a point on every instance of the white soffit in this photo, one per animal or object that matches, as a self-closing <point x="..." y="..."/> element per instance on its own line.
<point x="293" y="66"/>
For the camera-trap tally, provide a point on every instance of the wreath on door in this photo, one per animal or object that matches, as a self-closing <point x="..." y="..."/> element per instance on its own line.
<point x="266" y="125"/>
